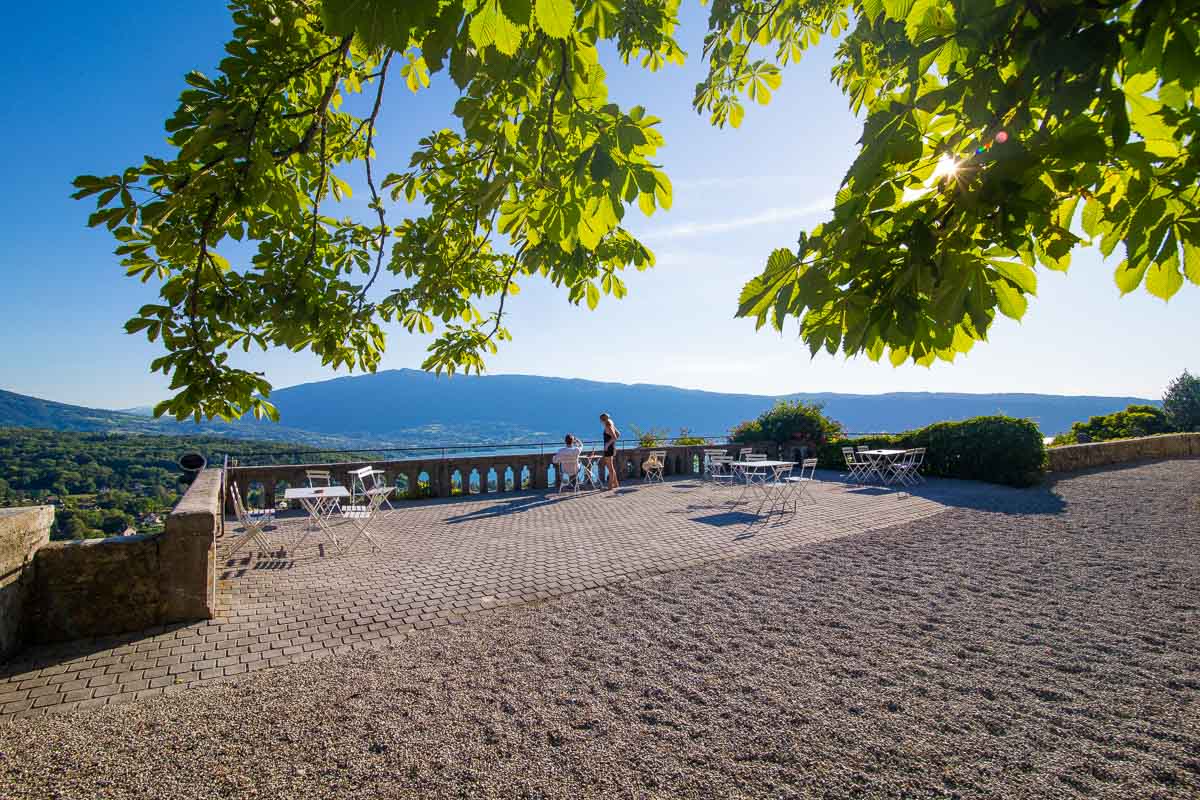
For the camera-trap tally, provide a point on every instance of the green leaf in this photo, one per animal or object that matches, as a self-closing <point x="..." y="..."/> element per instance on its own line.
<point x="490" y="27"/>
<point x="1129" y="278"/>
<point x="1163" y="278"/>
<point x="1018" y="273"/>
<point x="1010" y="300"/>
<point x="555" y="17"/>
<point x="593" y="296"/>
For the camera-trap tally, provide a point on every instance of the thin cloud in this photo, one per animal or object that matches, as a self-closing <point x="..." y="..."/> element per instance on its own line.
<point x="768" y="217"/>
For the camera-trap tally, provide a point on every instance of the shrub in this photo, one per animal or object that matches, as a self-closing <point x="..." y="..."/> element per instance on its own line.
<point x="992" y="449"/>
<point x="790" y="421"/>
<point x="1136" y="420"/>
<point x="686" y="438"/>
<point x="651" y="437"/>
<point x="1181" y="402"/>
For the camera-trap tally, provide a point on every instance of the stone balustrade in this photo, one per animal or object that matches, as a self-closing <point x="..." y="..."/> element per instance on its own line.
<point x="443" y="477"/>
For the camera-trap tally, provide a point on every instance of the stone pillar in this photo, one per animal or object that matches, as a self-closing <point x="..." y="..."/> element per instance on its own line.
<point x="186" y="552"/>
<point x="23" y="531"/>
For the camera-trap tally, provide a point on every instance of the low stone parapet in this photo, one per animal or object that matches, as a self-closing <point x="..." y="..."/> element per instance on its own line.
<point x="23" y="532"/>
<point x="62" y="590"/>
<point x="1074" y="457"/>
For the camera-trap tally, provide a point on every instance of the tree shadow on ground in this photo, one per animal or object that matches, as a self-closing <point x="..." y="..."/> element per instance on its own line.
<point x="974" y="495"/>
<point x="517" y="505"/>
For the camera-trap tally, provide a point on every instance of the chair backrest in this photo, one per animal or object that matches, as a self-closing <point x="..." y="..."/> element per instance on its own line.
<point x="756" y="457"/>
<point x="239" y="509"/>
<point x="318" y="477"/>
<point x="809" y="466"/>
<point x="848" y="454"/>
<point x="918" y="457"/>
<point x="658" y="455"/>
<point x="861" y="448"/>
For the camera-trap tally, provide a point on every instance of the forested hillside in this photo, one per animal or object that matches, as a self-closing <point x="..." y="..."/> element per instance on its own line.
<point x="103" y="483"/>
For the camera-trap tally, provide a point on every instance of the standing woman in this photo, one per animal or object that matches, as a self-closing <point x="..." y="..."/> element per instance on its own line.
<point x="611" y="434"/>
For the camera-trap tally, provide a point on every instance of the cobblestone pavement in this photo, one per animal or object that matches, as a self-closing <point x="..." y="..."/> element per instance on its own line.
<point x="440" y="561"/>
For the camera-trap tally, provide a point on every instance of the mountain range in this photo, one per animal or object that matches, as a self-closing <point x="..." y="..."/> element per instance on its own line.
<point x="417" y="408"/>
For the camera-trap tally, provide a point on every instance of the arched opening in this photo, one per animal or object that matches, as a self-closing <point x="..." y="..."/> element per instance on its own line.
<point x="402" y="488"/>
<point x="509" y="481"/>
<point x="281" y="502"/>
<point x="630" y="468"/>
<point x="255" y="494"/>
<point x="493" y="481"/>
<point x="695" y="464"/>
<point x="424" y="487"/>
<point x="456" y="482"/>
<point x="474" y="487"/>
<point x="551" y="476"/>
<point x="526" y="478"/>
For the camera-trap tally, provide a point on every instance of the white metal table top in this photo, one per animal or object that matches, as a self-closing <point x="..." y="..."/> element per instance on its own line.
<point x="312" y="492"/>
<point x="883" y="452"/>
<point x="763" y="463"/>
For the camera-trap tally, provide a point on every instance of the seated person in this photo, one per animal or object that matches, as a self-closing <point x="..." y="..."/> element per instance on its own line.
<point x="569" y="453"/>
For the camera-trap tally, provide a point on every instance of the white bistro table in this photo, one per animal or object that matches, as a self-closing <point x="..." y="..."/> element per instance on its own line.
<point x="319" y="502"/>
<point x="759" y="475"/>
<point x="589" y="463"/>
<point x="882" y="463"/>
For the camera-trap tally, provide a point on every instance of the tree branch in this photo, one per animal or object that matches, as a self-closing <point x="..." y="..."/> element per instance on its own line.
<point x="375" y="201"/>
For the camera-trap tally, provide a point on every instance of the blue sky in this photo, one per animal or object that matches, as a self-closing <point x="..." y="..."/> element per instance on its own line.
<point x="99" y="103"/>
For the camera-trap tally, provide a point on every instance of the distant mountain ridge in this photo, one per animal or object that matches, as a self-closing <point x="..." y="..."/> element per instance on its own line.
<point x="417" y="408"/>
<point x="22" y="411"/>
<point x="396" y="404"/>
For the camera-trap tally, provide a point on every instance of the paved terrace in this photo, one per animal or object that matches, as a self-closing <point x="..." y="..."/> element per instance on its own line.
<point x="441" y="561"/>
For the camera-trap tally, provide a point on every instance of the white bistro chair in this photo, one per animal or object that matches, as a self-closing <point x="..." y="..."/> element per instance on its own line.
<point x="653" y="465"/>
<point x="801" y="482"/>
<point x="253" y="523"/>
<point x="568" y="474"/>
<point x="321" y="478"/>
<point x="855" y="467"/>
<point x="361" y="517"/>
<point x="368" y="478"/>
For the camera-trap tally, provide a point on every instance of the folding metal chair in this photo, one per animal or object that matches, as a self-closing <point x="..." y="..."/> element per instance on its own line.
<point x="709" y="455"/>
<point x="321" y="478"/>
<point x="360" y="518"/>
<point x="720" y="470"/>
<point x="855" y="469"/>
<point x="568" y="474"/>
<point x="799" y="483"/>
<point x="252" y="521"/>
<point x="653" y="466"/>
<point x="776" y="488"/>
<point x="907" y="470"/>
<point x="368" y="478"/>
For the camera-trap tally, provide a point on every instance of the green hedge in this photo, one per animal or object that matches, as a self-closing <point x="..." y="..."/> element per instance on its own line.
<point x="993" y="449"/>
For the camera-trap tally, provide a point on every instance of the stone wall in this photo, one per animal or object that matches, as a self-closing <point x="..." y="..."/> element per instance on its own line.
<point x="55" y="591"/>
<point x="406" y="475"/>
<point x="23" y="531"/>
<point x="1072" y="457"/>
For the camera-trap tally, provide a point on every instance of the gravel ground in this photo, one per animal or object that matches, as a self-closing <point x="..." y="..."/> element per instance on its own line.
<point x="1046" y="649"/>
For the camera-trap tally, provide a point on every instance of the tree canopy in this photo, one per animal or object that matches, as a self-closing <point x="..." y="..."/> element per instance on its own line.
<point x="989" y="127"/>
